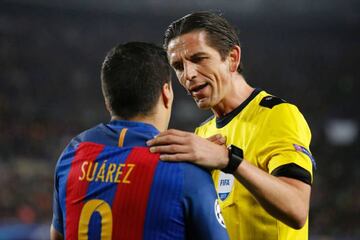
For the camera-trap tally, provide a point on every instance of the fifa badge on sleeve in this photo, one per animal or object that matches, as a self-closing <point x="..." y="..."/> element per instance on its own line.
<point x="225" y="185"/>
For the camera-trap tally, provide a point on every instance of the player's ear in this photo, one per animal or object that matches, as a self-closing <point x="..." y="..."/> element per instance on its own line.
<point x="107" y="105"/>
<point x="167" y="95"/>
<point x="234" y="58"/>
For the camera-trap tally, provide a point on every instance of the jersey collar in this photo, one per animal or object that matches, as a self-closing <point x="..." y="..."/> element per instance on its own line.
<point x="146" y="128"/>
<point x="222" y="121"/>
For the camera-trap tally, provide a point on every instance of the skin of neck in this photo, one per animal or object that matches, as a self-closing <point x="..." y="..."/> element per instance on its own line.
<point x="238" y="92"/>
<point x="154" y="119"/>
<point x="159" y="116"/>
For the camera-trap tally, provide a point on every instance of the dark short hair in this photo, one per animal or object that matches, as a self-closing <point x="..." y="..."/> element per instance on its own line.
<point x="132" y="76"/>
<point x="221" y="35"/>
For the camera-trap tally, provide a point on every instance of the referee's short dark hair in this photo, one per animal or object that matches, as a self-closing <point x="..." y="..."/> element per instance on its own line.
<point x="221" y="35"/>
<point x="132" y="76"/>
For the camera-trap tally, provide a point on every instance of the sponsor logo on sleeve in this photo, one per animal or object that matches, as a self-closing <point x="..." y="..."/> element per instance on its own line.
<point x="307" y="152"/>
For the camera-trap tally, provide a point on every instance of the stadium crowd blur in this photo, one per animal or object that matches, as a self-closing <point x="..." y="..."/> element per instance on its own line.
<point x="50" y="91"/>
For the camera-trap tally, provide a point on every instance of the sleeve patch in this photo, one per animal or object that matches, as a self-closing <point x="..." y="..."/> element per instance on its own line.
<point x="271" y="101"/>
<point x="307" y="152"/>
<point x="292" y="170"/>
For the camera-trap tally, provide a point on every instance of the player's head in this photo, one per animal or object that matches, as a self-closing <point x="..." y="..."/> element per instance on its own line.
<point x="220" y="34"/>
<point x="135" y="76"/>
<point x="204" y="50"/>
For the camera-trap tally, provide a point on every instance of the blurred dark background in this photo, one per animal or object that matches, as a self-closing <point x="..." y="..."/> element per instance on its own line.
<point x="306" y="52"/>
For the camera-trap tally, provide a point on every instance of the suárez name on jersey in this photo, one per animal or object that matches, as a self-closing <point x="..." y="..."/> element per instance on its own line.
<point x="113" y="172"/>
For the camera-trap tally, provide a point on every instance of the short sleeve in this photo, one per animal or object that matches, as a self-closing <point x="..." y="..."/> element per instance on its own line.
<point x="286" y="137"/>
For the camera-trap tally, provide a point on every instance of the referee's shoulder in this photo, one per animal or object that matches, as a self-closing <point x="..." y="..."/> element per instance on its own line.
<point x="207" y="120"/>
<point x="270" y="101"/>
<point x="278" y="106"/>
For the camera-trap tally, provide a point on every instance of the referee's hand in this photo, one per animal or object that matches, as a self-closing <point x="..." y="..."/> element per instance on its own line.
<point x="218" y="139"/>
<point x="176" y="145"/>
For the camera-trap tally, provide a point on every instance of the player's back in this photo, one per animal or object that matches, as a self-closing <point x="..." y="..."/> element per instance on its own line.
<point x="109" y="186"/>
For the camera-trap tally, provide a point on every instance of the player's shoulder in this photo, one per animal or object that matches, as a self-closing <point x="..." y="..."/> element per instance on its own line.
<point x="73" y="144"/>
<point x="82" y="136"/>
<point x="195" y="177"/>
<point x="187" y="169"/>
<point x="99" y="134"/>
<point x="190" y="168"/>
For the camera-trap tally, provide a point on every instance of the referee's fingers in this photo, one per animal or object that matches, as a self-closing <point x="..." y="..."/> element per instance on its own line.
<point x="171" y="149"/>
<point x="175" y="132"/>
<point x="217" y="138"/>
<point x="175" y="157"/>
<point x="166" y="139"/>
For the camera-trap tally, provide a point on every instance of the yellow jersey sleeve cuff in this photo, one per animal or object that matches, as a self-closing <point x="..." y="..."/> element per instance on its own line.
<point x="291" y="157"/>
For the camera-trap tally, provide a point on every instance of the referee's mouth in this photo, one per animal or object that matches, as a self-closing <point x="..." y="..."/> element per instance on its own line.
<point x="197" y="89"/>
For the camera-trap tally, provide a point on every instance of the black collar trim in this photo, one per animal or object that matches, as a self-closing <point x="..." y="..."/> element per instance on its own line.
<point x="222" y="121"/>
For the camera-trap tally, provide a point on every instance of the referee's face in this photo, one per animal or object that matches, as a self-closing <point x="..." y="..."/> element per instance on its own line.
<point x="200" y="69"/>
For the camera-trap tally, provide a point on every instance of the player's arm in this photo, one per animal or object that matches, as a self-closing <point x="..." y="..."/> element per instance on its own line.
<point x="56" y="228"/>
<point x="54" y="234"/>
<point x="203" y="215"/>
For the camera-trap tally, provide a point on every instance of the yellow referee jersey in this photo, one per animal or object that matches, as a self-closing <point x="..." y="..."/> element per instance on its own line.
<point x="274" y="137"/>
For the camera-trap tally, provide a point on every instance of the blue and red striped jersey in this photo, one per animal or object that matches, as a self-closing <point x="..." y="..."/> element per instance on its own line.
<point x="109" y="186"/>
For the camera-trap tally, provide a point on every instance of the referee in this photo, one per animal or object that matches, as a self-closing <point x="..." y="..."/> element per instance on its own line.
<point x="264" y="175"/>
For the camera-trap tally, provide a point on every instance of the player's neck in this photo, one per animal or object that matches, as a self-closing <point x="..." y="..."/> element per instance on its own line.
<point x="152" y="120"/>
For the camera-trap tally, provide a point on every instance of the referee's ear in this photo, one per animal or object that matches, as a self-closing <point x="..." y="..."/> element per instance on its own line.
<point x="234" y="58"/>
<point x="167" y="95"/>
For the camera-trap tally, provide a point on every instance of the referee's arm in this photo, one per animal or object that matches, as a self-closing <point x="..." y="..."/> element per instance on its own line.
<point x="286" y="199"/>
